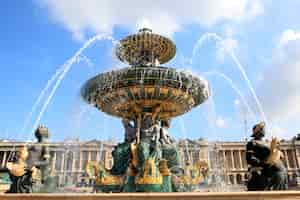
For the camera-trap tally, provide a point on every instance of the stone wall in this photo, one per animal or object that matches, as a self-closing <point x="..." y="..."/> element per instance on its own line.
<point x="288" y="195"/>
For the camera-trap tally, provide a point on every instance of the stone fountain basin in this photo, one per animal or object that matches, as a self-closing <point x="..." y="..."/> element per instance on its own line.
<point x="278" y="195"/>
<point x="118" y="92"/>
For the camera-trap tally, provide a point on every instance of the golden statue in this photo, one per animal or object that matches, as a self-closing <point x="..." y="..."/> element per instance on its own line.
<point x="101" y="175"/>
<point x="195" y="174"/>
<point x="275" y="154"/>
<point x="22" y="176"/>
<point x="18" y="168"/>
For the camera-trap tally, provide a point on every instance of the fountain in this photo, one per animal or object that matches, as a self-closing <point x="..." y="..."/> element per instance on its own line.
<point x="146" y="96"/>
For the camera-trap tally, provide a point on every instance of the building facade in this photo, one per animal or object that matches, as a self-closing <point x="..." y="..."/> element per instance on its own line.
<point x="228" y="159"/>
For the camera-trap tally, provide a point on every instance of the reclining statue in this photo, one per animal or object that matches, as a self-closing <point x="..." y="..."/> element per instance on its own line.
<point x="21" y="174"/>
<point x="266" y="169"/>
<point x="30" y="171"/>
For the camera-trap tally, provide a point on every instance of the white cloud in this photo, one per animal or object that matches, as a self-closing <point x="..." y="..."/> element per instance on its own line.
<point x="287" y="36"/>
<point x="220" y="122"/>
<point x="164" y="16"/>
<point x="237" y="102"/>
<point x="229" y="30"/>
<point x="278" y="132"/>
<point x="280" y="89"/>
<point x="225" y="46"/>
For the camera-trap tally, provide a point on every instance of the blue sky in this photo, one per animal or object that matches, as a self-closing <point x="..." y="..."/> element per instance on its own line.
<point x="37" y="37"/>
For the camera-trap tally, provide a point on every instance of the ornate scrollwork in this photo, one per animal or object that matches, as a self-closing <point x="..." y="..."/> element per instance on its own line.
<point x="101" y="175"/>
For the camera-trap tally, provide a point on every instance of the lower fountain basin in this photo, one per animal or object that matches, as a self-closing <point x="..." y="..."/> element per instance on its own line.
<point x="278" y="195"/>
<point x="119" y="92"/>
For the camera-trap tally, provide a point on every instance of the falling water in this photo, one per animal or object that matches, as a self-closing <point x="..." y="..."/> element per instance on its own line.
<point x="212" y="114"/>
<point x="34" y="107"/>
<point x="214" y="36"/>
<point x="200" y="42"/>
<point x="76" y="121"/>
<point x="217" y="170"/>
<point x="45" y="89"/>
<point x="101" y="151"/>
<point x="183" y="130"/>
<point x="143" y="73"/>
<point x="66" y="67"/>
<point x="216" y="175"/>
<point x="233" y="86"/>
<point x="216" y="182"/>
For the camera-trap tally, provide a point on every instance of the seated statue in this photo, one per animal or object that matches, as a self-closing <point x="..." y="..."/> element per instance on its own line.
<point x="165" y="137"/>
<point x="130" y="131"/>
<point x="39" y="156"/>
<point x="277" y="170"/>
<point x="149" y="140"/>
<point x="169" y="149"/>
<point x="30" y="170"/>
<point x="266" y="171"/>
<point x="121" y="158"/>
<point x="150" y="129"/>
<point x="21" y="174"/>
<point x="256" y="152"/>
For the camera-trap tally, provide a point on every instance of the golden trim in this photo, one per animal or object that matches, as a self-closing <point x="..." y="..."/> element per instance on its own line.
<point x="134" y="153"/>
<point x="151" y="174"/>
<point x="102" y="176"/>
<point x="110" y="180"/>
<point x="197" y="175"/>
<point x="180" y="103"/>
<point x="163" y="168"/>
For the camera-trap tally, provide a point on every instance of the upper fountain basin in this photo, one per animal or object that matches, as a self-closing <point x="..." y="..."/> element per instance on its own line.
<point x="118" y="92"/>
<point x="145" y="48"/>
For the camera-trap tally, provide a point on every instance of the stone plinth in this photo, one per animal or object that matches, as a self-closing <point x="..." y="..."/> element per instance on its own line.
<point x="286" y="195"/>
